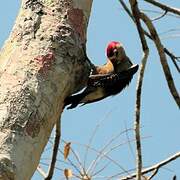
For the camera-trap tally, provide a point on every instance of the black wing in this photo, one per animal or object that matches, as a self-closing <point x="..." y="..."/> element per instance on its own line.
<point x="111" y="84"/>
<point x="112" y="79"/>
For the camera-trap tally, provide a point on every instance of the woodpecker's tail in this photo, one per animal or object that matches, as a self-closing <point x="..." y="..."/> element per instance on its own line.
<point x="131" y="71"/>
<point x="73" y="100"/>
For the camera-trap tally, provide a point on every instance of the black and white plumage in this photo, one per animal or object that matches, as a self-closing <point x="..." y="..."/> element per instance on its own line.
<point x="107" y="80"/>
<point x="100" y="87"/>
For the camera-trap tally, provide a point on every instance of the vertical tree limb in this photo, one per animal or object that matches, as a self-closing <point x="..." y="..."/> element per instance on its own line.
<point x="136" y="15"/>
<point x="38" y="70"/>
<point x="55" y="150"/>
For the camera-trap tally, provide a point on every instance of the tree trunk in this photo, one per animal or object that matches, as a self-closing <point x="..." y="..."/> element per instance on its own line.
<point x="41" y="63"/>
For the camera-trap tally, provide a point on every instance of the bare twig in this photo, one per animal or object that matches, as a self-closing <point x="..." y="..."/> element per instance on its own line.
<point x="158" y="12"/>
<point x="55" y="151"/>
<point x="164" y="7"/>
<point x="156" y="166"/>
<point x="78" y="160"/>
<point x="62" y="170"/>
<point x="127" y="9"/>
<point x="46" y="164"/>
<point x="129" y="143"/>
<point x="102" y="154"/>
<point x="136" y="13"/>
<point x="58" y="160"/>
<point x="161" y="16"/>
<point x="103" y="168"/>
<point x="173" y="58"/>
<point x="115" y="147"/>
<point x="68" y="159"/>
<point x="163" y="59"/>
<point x="132" y="17"/>
<point x="153" y="174"/>
<point x="93" y="135"/>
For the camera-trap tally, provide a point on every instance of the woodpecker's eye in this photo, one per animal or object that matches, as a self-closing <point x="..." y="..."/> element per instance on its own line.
<point x="115" y="52"/>
<point x="110" y="53"/>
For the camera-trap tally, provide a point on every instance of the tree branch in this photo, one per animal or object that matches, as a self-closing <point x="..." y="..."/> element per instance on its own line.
<point x="154" y="37"/>
<point x="163" y="59"/>
<point x="159" y="17"/>
<point x="173" y="58"/>
<point x="153" y="174"/>
<point x="135" y="13"/>
<point x="127" y="10"/>
<point x="156" y="166"/>
<point x="164" y="7"/>
<point x="55" y="150"/>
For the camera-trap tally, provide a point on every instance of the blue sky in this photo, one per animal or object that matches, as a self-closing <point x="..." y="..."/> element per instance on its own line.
<point x="160" y="116"/>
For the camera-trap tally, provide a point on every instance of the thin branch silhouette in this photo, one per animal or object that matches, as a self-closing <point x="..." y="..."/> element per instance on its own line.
<point x="93" y="135"/>
<point x="164" y="6"/>
<point x="135" y="13"/>
<point x="156" y="166"/>
<point x="163" y="59"/>
<point x="103" y="149"/>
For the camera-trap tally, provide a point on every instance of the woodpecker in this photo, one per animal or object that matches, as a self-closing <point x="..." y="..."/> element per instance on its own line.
<point x="117" y="60"/>
<point x="107" y="80"/>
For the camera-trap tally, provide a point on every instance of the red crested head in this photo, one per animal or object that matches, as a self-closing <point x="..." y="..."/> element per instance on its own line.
<point x="111" y="47"/>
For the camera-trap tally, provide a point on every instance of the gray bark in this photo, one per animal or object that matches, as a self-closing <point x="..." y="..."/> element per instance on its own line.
<point x="41" y="63"/>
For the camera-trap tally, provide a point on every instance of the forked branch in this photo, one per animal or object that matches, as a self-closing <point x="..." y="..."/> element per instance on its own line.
<point x="163" y="59"/>
<point x="155" y="167"/>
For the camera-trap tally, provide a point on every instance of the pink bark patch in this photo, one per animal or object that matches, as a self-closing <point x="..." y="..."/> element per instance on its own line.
<point x="45" y="61"/>
<point x="76" y="18"/>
